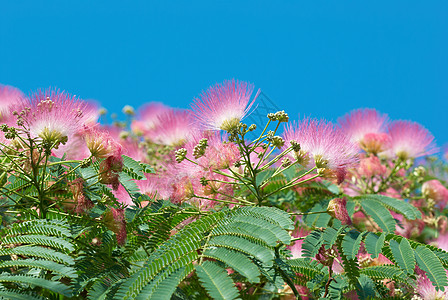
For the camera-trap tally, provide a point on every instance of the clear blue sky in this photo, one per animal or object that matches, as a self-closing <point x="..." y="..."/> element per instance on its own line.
<point x="313" y="58"/>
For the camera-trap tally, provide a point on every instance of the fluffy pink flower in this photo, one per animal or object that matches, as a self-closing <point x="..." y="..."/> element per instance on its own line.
<point x="100" y="143"/>
<point x="436" y="191"/>
<point x="174" y="128"/>
<point x="366" y="127"/>
<point x="371" y="166"/>
<point x="148" y="120"/>
<point x="426" y="289"/>
<point x="55" y="116"/>
<point x="224" y="105"/>
<point x="118" y="225"/>
<point x="322" y="145"/>
<point x="8" y="96"/>
<point x="410" y="140"/>
<point x="442" y="241"/>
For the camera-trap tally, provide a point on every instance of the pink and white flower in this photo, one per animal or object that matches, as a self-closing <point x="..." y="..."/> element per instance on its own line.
<point x="322" y="145"/>
<point x="367" y="128"/>
<point x="9" y="96"/>
<point x="148" y="119"/>
<point x="437" y="191"/>
<point x="410" y="140"/>
<point x="224" y="105"/>
<point x="55" y="116"/>
<point x="174" y="128"/>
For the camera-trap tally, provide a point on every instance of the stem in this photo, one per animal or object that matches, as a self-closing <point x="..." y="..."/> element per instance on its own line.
<point x="284" y="275"/>
<point x="294" y="182"/>
<point x="261" y="135"/>
<point x="308" y="213"/>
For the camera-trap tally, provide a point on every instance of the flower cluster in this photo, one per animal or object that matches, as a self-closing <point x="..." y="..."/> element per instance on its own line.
<point x="354" y="195"/>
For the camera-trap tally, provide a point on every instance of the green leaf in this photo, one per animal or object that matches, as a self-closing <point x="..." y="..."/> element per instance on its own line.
<point x="43" y="240"/>
<point x="374" y="243"/>
<point x="216" y="281"/>
<point x="331" y="235"/>
<point x="36" y="251"/>
<point x="366" y="288"/>
<point x="132" y="168"/>
<point x="41" y="264"/>
<point x="167" y="287"/>
<point x="318" y="220"/>
<point x="379" y="214"/>
<point x="403" y="255"/>
<point x="18" y="295"/>
<point x="307" y="267"/>
<point x="54" y="286"/>
<point x="128" y="183"/>
<point x="312" y="243"/>
<point x="267" y="231"/>
<point x="272" y="214"/>
<point x="428" y="262"/>
<point x="351" y="243"/>
<point x="385" y="272"/>
<point x="400" y="206"/>
<point x="243" y="245"/>
<point x="237" y="261"/>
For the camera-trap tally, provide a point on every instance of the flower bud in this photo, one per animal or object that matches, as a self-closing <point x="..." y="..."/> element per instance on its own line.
<point x="337" y="208"/>
<point x="128" y="110"/>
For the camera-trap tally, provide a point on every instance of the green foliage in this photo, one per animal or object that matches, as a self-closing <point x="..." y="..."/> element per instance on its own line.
<point x="242" y="239"/>
<point x="399" y="206"/>
<point x="216" y="281"/>
<point x="374" y="243"/>
<point x="380" y="214"/>
<point x="46" y="239"/>
<point x="428" y="262"/>
<point x="403" y="255"/>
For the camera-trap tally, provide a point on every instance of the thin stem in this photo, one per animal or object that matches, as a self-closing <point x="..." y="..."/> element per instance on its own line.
<point x="307" y="213"/>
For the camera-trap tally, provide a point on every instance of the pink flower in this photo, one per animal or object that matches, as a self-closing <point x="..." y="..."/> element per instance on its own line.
<point x="218" y="154"/>
<point x="174" y="128"/>
<point x="366" y="127"/>
<point x="115" y="221"/>
<point x="410" y="140"/>
<point x="8" y="96"/>
<point x="224" y="105"/>
<point x="148" y="120"/>
<point x="296" y="248"/>
<point x="435" y="190"/>
<point x="100" y="143"/>
<point x="337" y="208"/>
<point x="426" y="289"/>
<point x="371" y="166"/>
<point x="322" y="145"/>
<point x="442" y="241"/>
<point x="55" y="116"/>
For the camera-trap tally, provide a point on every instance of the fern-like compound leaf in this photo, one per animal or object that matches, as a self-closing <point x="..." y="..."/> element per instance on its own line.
<point x="428" y="262"/>
<point x="243" y="245"/>
<point x="351" y="243"/>
<point x="379" y="214"/>
<point x="18" y="295"/>
<point x="403" y="255"/>
<point x="54" y="286"/>
<point x="312" y="243"/>
<point x="216" y="281"/>
<point x="235" y="260"/>
<point x="374" y="243"/>
<point x="54" y="267"/>
<point x="409" y="211"/>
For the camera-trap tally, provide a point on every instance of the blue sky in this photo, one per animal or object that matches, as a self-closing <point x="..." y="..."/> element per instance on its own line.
<point x="313" y="58"/>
